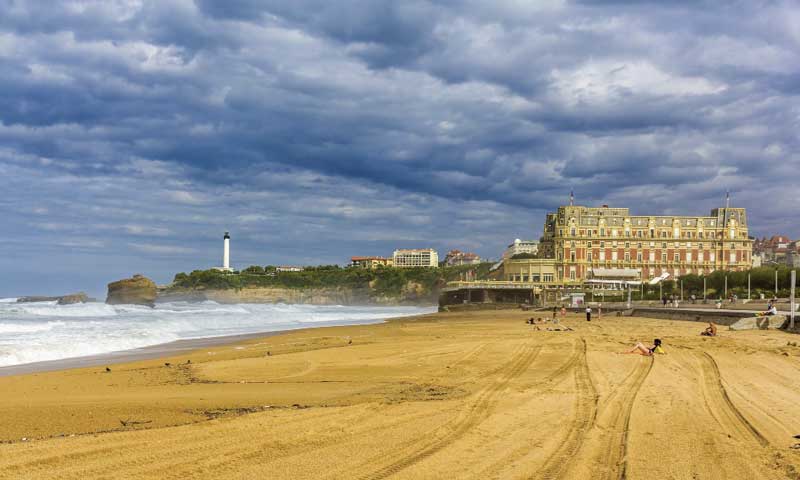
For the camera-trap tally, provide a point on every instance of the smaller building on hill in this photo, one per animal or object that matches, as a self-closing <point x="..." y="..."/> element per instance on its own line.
<point x="415" y="257"/>
<point x="371" y="262"/>
<point x="457" y="257"/>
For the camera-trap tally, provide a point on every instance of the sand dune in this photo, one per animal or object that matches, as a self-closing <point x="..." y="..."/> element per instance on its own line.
<point x="475" y="395"/>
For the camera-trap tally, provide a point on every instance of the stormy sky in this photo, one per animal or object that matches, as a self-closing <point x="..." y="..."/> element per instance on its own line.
<point x="133" y="133"/>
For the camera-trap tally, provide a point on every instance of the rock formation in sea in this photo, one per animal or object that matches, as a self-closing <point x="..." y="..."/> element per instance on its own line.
<point x="79" y="297"/>
<point x="138" y="290"/>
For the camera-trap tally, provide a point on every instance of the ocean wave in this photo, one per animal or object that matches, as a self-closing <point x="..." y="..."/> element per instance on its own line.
<point x="39" y="332"/>
<point x="8" y="300"/>
<point x="74" y="310"/>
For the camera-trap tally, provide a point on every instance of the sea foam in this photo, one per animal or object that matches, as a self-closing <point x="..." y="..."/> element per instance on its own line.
<point x="33" y="332"/>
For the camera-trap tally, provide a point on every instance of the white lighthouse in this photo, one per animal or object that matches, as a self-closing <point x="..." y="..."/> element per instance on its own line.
<point x="226" y="253"/>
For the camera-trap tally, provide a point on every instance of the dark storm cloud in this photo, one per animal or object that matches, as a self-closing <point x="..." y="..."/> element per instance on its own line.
<point x="315" y="130"/>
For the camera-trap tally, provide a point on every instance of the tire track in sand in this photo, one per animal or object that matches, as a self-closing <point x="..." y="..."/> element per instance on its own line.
<point x="617" y="451"/>
<point x="582" y="420"/>
<point x="720" y="405"/>
<point x="476" y="412"/>
<point x="554" y="377"/>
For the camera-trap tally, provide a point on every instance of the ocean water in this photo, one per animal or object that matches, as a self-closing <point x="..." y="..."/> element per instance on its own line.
<point x="33" y="332"/>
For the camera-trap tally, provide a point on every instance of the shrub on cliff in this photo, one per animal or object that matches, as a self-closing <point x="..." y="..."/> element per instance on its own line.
<point x="382" y="282"/>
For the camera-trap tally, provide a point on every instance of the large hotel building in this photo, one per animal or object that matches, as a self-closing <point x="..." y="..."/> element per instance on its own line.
<point x="579" y="240"/>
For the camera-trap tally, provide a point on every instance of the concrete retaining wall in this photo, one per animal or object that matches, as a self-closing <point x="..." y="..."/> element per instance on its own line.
<point x="771" y="322"/>
<point x="698" y="315"/>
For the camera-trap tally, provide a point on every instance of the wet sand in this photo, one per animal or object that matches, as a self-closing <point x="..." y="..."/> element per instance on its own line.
<point x="452" y="395"/>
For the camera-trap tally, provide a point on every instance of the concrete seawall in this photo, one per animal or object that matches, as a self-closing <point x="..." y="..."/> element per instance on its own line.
<point x="720" y="317"/>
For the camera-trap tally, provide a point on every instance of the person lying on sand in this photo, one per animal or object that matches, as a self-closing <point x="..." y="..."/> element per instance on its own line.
<point x="643" y="349"/>
<point x="710" y="331"/>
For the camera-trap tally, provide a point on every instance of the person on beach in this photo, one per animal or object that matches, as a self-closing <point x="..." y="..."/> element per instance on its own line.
<point x="563" y="311"/>
<point x="599" y="310"/>
<point x="710" y="331"/>
<point x="642" y="349"/>
<point x="555" y="313"/>
<point x="664" y="301"/>
<point x="588" y="313"/>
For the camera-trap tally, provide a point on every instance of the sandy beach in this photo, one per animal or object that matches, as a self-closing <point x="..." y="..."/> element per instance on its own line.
<point x="449" y="395"/>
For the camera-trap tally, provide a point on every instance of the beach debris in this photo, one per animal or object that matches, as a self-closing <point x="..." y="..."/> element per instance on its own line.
<point x="269" y="354"/>
<point x="349" y="341"/>
<point x="167" y="364"/>
<point x="131" y="423"/>
<point x="24" y="439"/>
<point x="796" y="446"/>
<point x="797" y="436"/>
<point x="108" y="369"/>
<point x="188" y="361"/>
<point x="785" y="354"/>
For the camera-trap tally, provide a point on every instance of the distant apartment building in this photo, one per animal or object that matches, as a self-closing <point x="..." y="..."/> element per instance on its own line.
<point x="371" y="262"/>
<point x="457" y="257"/>
<point x="289" y="268"/>
<point x="580" y="239"/>
<point x="415" y="257"/>
<point x="773" y="249"/>
<point x="521" y="246"/>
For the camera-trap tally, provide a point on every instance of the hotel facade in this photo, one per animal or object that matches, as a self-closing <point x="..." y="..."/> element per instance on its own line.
<point x="416" y="257"/>
<point x="578" y="239"/>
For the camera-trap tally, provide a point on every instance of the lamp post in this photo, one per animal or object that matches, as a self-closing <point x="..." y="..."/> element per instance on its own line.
<point x="704" y="288"/>
<point x="681" y="290"/>
<point x="776" y="281"/>
<point x="726" y="286"/>
<point x="792" y="307"/>
<point x="748" y="285"/>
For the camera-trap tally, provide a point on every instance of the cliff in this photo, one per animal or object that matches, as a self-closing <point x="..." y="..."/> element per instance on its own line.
<point x="313" y="296"/>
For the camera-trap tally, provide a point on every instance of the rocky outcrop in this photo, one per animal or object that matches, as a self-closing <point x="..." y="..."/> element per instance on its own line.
<point x="79" y="297"/>
<point x="138" y="290"/>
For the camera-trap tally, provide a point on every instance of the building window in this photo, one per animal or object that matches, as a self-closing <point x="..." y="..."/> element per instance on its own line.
<point x="602" y="244"/>
<point x="700" y="256"/>
<point x="589" y="244"/>
<point x="589" y="256"/>
<point x="688" y="256"/>
<point x="652" y="256"/>
<point x="547" y="277"/>
<point x="664" y="258"/>
<point x="602" y="255"/>
<point x="663" y="245"/>
<point x="677" y="257"/>
<point x="627" y="244"/>
<point x="572" y="256"/>
<point x="639" y="257"/>
<point x="712" y="256"/>
<point x="602" y="232"/>
<point x="572" y="274"/>
<point x="613" y="255"/>
<point x="627" y="256"/>
<point x="572" y="231"/>
<point x="614" y="232"/>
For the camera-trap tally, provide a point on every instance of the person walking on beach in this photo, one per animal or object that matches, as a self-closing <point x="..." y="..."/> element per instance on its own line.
<point x="555" y="314"/>
<point x="664" y="301"/>
<point x="588" y="313"/>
